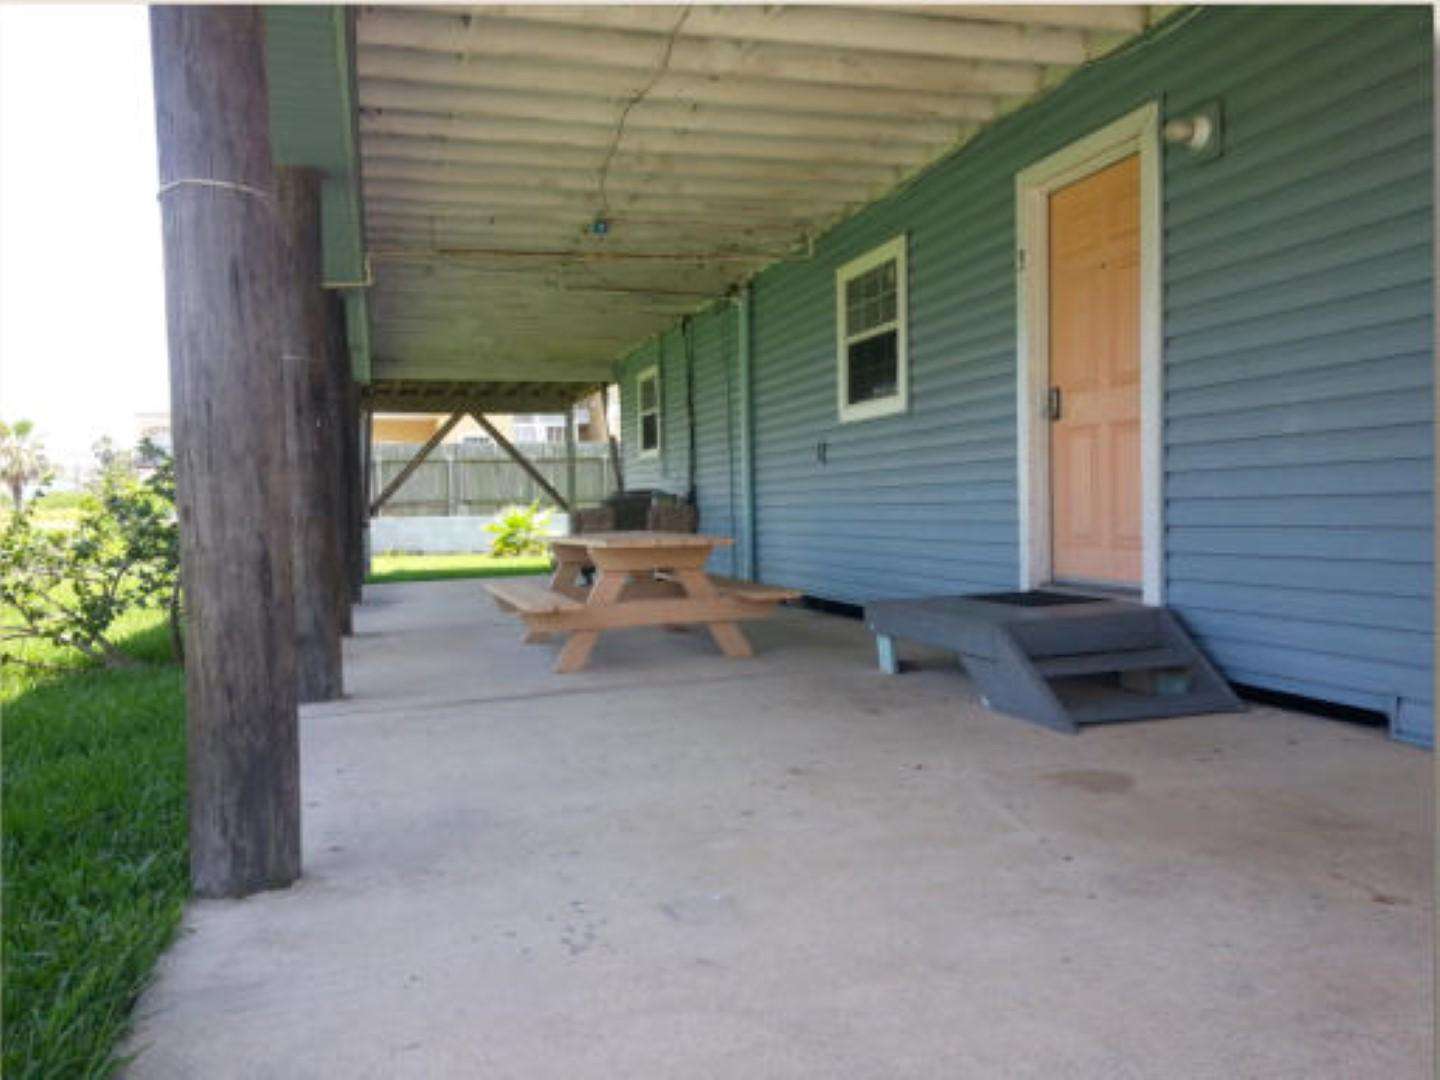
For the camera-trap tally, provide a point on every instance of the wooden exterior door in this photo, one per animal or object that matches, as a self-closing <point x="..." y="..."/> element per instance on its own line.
<point x="1094" y="300"/>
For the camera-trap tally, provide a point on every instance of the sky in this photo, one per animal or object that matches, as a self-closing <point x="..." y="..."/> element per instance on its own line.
<point x="82" y="302"/>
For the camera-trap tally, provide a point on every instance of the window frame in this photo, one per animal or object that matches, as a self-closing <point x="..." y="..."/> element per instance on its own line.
<point x="651" y="372"/>
<point x="898" y="402"/>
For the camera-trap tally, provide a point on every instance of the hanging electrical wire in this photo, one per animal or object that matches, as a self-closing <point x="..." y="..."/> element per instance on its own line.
<point x="601" y="223"/>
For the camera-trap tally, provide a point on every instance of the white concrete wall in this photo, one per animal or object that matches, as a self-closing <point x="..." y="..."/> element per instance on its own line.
<point x="442" y="535"/>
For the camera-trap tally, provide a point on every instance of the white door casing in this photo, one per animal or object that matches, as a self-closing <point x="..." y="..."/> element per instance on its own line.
<point x="1137" y="132"/>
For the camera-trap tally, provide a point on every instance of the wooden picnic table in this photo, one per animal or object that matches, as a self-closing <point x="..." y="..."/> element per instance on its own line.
<point x="641" y="579"/>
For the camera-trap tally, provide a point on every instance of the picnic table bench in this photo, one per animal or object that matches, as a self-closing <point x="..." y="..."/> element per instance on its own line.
<point x="642" y="579"/>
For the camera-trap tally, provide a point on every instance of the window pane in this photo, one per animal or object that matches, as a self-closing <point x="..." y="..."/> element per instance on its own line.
<point x="649" y="432"/>
<point x="870" y="299"/>
<point x="873" y="368"/>
<point x="647" y="393"/>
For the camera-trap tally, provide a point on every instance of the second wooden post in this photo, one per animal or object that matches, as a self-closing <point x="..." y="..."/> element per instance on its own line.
<point x="313" y="422"/>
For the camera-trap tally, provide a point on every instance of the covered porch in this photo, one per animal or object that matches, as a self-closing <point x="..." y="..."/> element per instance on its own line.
<point x="670" y="864"/>
<point x="674" y="864"/>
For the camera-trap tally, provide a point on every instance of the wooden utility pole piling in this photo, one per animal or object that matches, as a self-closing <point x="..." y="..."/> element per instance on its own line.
<point x="570" y="452"/>
<point x="312" y="418"/>
<point x="348" y="478"/>
<point x="227" y="387"/>
<point x="367" y="452"/>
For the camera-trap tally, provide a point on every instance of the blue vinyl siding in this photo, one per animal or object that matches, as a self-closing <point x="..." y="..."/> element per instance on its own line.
<point x="1298" y="327"/>
<point x="713" y="355"/>
<point x="716" y="434"/>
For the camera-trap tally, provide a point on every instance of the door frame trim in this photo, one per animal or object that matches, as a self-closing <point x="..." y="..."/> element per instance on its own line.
<point x="1137" y="132"/>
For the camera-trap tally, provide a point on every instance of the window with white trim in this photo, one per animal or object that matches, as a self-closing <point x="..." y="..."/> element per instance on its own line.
<point x="539" y="427"/>
<point x="647" y="397"/>
<point x="872" y="347"/>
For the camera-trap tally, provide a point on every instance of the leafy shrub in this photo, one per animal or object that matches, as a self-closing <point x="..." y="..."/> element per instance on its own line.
<point x="69" y="587"/>
<point x="520" y="530"/>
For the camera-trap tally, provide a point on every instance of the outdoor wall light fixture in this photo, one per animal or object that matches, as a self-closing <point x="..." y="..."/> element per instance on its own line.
<point x="1200" y="132"/>
<point x="1194" y="132"/>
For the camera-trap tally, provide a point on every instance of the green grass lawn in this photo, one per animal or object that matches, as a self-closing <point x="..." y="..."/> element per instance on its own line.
<point x="388" y="568"/>
<point x="94" y="854"/>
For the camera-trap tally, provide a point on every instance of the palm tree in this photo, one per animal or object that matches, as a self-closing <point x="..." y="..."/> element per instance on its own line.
<point x="22" y="460"/>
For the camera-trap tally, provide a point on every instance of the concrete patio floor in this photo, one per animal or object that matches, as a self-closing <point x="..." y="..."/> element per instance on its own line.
<point x="676" y="865"/>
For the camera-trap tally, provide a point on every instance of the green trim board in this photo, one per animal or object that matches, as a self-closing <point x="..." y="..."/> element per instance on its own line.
<point x="310" y="52"/>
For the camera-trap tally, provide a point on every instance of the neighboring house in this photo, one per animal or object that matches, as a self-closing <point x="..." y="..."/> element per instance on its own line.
<point x="417" y="428"/>
<point x="154" y="426"/>
<point x="537" y="428"/>
<point x="518" y="428"/>
<point x="1237" y="417"/>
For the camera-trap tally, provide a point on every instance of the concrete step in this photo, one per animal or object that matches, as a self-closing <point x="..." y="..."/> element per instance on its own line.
<point x="1092" y="663"/>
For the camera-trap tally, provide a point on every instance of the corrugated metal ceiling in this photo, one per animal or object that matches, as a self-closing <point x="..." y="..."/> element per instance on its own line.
<point x="709" y="140"/>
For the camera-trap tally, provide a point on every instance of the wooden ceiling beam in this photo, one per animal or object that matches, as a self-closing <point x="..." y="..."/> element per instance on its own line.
<point x="626" y="224"/>
<point x="597" y="300"/>
<point x="535" y="356"/>
<point x="523" y="313"/>
<point x="448" y="395"/>
<point x="518" y="295"/>
<point x="523" y="365"/>
<point x="480" y="35"/>
<point x="497" y="284"/>
<point x="477" y="328"/>
<point x="679" y="261"/>
<point x="443" y="269"/>
<point x="504" y="313"/>
<point x="586" y="182"/>
<point x="1129" y="18"/>
<point x="479" y="131"/>
<point x="493" y="401"/>
<point x="865" y="29"/>
<point x="428" y="150"/>
<point x="523" y="310"/>
<point x="541" y="107"/>
<point x="583" y="209"/>
<point x="620" y="84"/>
<point x="391" y="238"/>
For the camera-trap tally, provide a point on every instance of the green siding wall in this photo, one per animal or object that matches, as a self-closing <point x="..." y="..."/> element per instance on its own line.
<point x="1298" y="417"/>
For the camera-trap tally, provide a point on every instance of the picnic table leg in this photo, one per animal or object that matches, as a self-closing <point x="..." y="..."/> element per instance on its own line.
<point x="609" y="584"/>
<point x="727" y="635"/>
<point x="563" y="580"/>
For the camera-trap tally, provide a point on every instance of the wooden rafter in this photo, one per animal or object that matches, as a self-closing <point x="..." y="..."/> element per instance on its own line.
<point x="449" y="395"/>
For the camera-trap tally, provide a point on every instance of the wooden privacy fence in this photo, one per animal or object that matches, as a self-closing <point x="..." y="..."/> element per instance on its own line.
<point x="459" y="479"/>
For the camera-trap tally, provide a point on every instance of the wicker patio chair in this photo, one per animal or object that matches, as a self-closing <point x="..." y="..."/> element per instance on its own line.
<point x="592" y="519"/>
<point x="672" y="515"/>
